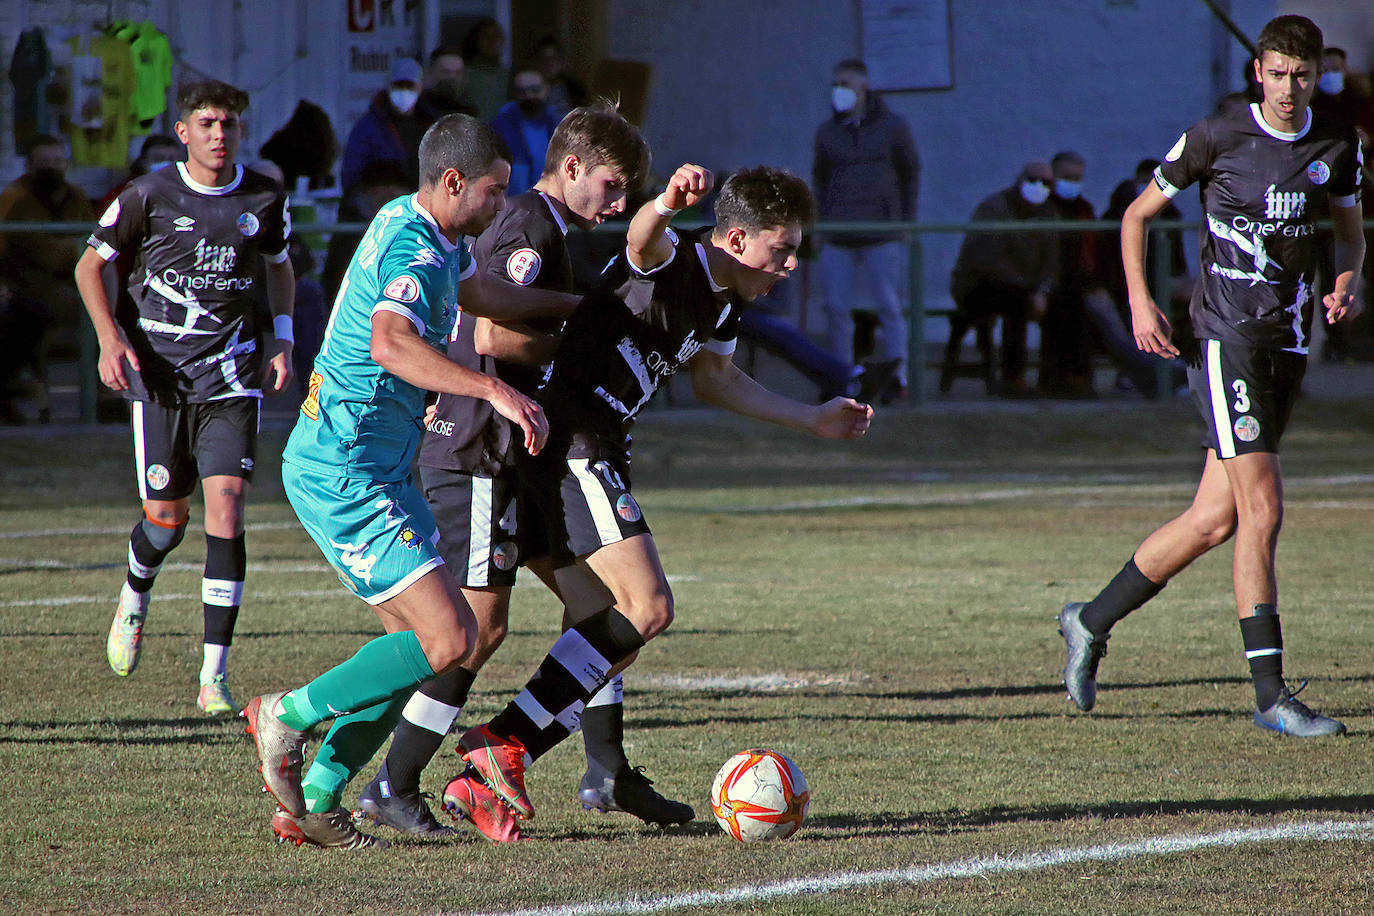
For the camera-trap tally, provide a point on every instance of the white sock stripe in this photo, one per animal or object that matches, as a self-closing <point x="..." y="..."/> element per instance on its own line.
<point x="611" y="694"/>
<point x="594" y="495"/>
<point x="1259" y="653"/>
<point x="536" y="713"/>
<point x="1221" y="414"/>
<point x="138" y="569"/>
<point x="429" y="713"/>
<point x="221" y="592"/>
<point x="581" y="660"/>
<point x="571" y="717"/>
<point x="479" y="531"/>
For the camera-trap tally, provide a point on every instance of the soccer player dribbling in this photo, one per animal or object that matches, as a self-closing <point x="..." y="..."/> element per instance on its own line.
<point x="1262" y="173"/>
<point x="192" y="359"/>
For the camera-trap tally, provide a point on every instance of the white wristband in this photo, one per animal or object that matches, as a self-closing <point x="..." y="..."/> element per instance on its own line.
<point x="283" y="327"/>
<point x="661" y="208"/>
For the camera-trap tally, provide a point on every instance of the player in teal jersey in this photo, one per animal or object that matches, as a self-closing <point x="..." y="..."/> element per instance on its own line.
<point x="346" y="469"/>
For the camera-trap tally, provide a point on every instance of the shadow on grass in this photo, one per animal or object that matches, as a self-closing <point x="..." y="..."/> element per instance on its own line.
<point x="124" y="732"/>
<point x="844" y="827"/>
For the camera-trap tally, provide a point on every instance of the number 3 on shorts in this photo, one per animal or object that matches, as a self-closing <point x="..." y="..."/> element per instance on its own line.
<point x="1242" y="396"/>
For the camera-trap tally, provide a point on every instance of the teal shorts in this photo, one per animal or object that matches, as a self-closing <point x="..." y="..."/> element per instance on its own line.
<point x="379" y="537"/>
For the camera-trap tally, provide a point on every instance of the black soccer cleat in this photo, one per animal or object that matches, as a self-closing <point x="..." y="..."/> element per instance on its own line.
<point x="407" y="813"/>
<point x="630" y="791"/>
<point x="1085" y="650"/>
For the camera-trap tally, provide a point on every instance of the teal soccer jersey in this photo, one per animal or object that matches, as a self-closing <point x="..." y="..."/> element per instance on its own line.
<point x="359" y="420"/>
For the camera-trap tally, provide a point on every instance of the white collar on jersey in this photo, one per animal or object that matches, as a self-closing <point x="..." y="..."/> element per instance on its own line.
<point x="206" y="189"/>
<point x="701" y="255"/>
<point x="1279" y="134"/>
<point x="449" y="247"/>
<point x="562" y="226"/>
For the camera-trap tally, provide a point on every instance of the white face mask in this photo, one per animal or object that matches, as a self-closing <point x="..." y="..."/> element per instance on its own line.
<point x="1067" y="189"/>
<point x="843" y="99"/>
<point x="403" y="100"/>
<point x="1035" y="192"/>
<point x="1331" y="82"/>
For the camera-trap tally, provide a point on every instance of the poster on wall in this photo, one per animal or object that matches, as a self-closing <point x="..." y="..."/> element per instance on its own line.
<point x="907" y="44"/>
<point x="376" y="33"/>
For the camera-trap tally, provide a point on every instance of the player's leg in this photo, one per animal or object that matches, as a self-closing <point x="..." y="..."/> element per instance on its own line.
<point x="224" y="441"/>
<point x="838" y="275"/>
<point x="1208" y="521"/>
<point x="166" y="478"/>
<point x="883" y="264"/>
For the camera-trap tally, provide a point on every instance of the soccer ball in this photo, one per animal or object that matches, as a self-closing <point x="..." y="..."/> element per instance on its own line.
<point x="759" y="795"/>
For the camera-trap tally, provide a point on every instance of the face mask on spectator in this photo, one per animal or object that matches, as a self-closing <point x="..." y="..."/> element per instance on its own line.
<point x="1067" y="189"/>
<point x="843" y="99"/>
<point x="48" y="181"/>
<point x="1331" y="82"/>
<point x="403" y="100"/>
<point x="1035" y="191"/>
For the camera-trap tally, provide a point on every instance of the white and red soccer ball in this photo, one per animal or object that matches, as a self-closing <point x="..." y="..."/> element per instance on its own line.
<point x="760" y="795"/>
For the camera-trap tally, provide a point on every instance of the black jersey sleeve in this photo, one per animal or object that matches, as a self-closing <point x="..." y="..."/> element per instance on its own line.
<point x="123" y="225"/>
<point x="1187" y="161"/>
<point x="276" y="229"/>
<point x="1345" y="177"/>
<point x="516" y="253"/>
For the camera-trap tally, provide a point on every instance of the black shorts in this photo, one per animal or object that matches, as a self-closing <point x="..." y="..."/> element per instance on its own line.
<point x="1245" y="395"/>
<point x="176" y="446"/>
<point x="586" y="504"/>
<point x="478" y="521"/>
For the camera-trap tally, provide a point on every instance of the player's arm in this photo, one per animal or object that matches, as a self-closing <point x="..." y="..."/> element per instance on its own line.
<point x="717" y="381"/>
<point x="514" y="342"/>
<point x="1342" y="303"/>
<point x="92" y="283"/>
<point x="281" y="298"/>
<point x="487" y="297"/>
<point x="1148" y="324"/>
<point x="646" y="241"/>
<point x="398" y="348"/>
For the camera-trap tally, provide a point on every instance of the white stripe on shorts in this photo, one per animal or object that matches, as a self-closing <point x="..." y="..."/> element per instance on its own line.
<point x="594" y="494"/>
<point x="1221" y="415"/>
<point x="139" y="451"/>
<point x="479" y="531"/>
<point x="580" y="659"/>
<point x="429" y="713"/>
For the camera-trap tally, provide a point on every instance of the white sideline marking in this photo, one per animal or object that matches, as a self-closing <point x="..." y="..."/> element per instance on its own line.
<point x="762" y="682"/>
<point x="961" y="868"/>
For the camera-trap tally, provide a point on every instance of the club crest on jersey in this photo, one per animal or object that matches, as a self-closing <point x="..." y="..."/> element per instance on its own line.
<point x="523" y="265"/>
<point x="1177" y="150"/>
<point x="1319" y="172"/>
<point x="404" y="288"/>
<point x="1247" y="428"/>
<point x="505" y="555"/>
<point x="249" y="225"/>
<point x="158" y="476"/>
<point x="627" y="508"/>
<point x="111" y="214"/>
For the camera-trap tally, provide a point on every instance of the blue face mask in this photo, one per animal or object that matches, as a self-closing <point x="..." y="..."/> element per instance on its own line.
<point x="1034" y="192"/>
<point x="1067" y="189"/>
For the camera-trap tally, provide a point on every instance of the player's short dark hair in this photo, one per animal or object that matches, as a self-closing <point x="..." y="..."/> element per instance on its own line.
<point x="459" y="141"/>
<point x="1292" y="36"/>
<point x="1067" y="155"/>
<point x="191" y="97"/>
<point x="598" y="134"/>
<point x="761" y="198"/>
<point x="1334" y="52"/>
<point x="852" y="64"/>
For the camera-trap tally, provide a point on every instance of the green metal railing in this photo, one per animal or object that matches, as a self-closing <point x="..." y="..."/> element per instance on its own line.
<point x="913" y="234"/>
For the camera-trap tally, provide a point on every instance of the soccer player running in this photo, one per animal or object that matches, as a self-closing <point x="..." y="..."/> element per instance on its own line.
<point x="191" y="358"/>
<point x="676" y="305"/>
<point x="1262" y="172"/>
<point x="346" y="469"/>
<point x="468" y="476"/>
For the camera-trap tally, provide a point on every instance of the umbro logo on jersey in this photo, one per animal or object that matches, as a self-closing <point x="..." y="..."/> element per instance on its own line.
<point x="424" y="257"/>
<point x="184" y="224"/>
<point x="1284" y="204"/>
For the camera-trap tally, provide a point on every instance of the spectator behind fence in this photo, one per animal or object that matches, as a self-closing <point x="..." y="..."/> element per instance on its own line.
<point x="305" y="146"/>
<point x="1337" y="95"/>
<point x="379" y="182"/>
<point x="865" y="169"/>
<point x="487" y="79"/>
<point x="527" y="125"/>
<point x="389" y="131"/>
<point x="1066" y="336"/>
<point x="36" y="270"/>
<point x="443" y="91"/>
<point x="566" y="91"/>
<point x="1005" y="274"/>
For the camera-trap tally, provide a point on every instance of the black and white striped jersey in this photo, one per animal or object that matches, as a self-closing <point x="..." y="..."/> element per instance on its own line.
<point x="196" y="252"/>
<point x="1261" y="190"/>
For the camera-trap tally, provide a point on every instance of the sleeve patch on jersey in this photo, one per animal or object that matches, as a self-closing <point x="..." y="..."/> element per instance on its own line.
<point x="249" y="225"/>
<point x="404" y="288"/>
<point x="523" y="265"/>
<point x="1173" y="154"/>
<point x="111" y="214"/>
<point x="1319" y="172"/>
